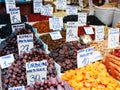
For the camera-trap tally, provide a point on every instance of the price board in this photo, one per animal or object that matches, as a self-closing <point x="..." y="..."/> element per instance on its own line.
<point x="113" y="37"/>
<point x="17" y="26"/>
<point x="17" y="88"/>
<point x="71" y="10"/>
<point x="36" y="71"/>
<point x="56" y="35"/>
<point x="9" y="4"/>
<point x="61" y="4"/>
<point x="47" y="10"/>
<point x="15" y="15"/>
<point x="82" y="19"/>
<point x="88" y="30"/>
<point x="6" y="61"/>
<point x="37" y="5"/>
<point x="25" y="43"/>
<point x="99" y="33"/>
<point x="84" y="56"/>
<point x="72" y="30"/>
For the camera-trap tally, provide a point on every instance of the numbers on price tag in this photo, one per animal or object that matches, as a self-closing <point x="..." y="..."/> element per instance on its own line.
<point x="14" y="19"/>
<point x="34" y="77"/>
<point x="85" y="61"/>
<point x="24" y="48"/>
<point x="70" y="34"/>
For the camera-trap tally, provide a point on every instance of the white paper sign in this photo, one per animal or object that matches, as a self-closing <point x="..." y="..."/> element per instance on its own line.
<point x="56" y="23"/>
<point x="47" y="10"/>
<point x="84" y="56"/>
<point x="15" y="15"/>
<point x="36" y="71"/>
<point x="113" y="37"/>
<point x="58" y="69"/>
<point x="72" y="31"/>
<point x="61" y="4"/>
<point x="6" y="61"/>
<point x="9" y="4"/>
<point x="71" y="10"/>
<point x="17" y="88"/>
<point x="88" y="30"/>
<point x="25" y="43"/>
<point x="82" y="19"/>
<point x="91" y="8"/>
<point x="56" y="35"/>
<point x="37" y="4"/>
<point x="97" y="56"/>
<point x="17" y="26"/>
<point x="99" y="33"/>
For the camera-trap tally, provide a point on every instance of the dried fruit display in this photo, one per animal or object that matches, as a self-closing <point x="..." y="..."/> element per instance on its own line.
<point x="101" y="46"/>
<point x="42" y="27"/>
<point x="16" y="74"/>
<point x="53" y="83"/>
<point x="66" y="56"/>
<point x="91" y="77"/>
<point x="54" y="43"/>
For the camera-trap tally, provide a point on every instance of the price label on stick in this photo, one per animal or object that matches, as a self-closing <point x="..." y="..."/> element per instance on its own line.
<point x="9" y="4"/>
<point x="88" y="30"/>
<point x="84" y="57"/>
<point x="72" y="10"/>
<point x="61" y="4"/>
<point x="82" y="19"/>
<point x="55" y="35"/>
<point x="17" y="26"/>
<point x="36" y="71"/>
<point x="25" y="43"/>
<point x="113" y="37"/>
<point x="17" y="88"/>
<point x="72" y="30"/>
<point x="99" y="33"/>
<point x="6" y="61"/>
<point x="37" y="4"/>
<point x="15" y="15"/>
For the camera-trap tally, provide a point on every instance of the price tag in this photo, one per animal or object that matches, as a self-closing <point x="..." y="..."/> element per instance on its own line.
<point x="88" y="30"/>
<point x="6" y="61"/>
<point x="99" y="33"/>
<point x="47" y="10"/>
<point x="97" y="56"/>
<point x="84" y="57"/>
<point x="55" y="35"/>
<point x="17" y="88"/>
<point x="72" y="10"/>
<point x="58" y="69"/>
<point x="113" y="37"/>
<point x="56" y="23"/>
<point x="82" y="19"/>
<point x="25" y="43"/>
<point x="9" y="4"/>
<point x="72" y="30"/>
<point x="61" y="4"/>
<point x="37" y="4"/>
<point x="36" y="71"/>
<point x="91" y="8"/>
<point x="17" y="26"/>
<point x="15" y="15"/>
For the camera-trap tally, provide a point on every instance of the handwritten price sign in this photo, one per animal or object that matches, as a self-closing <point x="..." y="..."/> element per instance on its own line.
<point x="82" y="19"/>
<point x="37" y="4"/>
<point x="72" y="10"/>
<point x="72" y="30"/>
<point x="15" y="15"/>
<point x="113" y="37"/>
<point x="47" y="10"/>
<point x="61" y="4"/>
<point x="55" y="35"/>
<point x="25" y="43"/>
<point x="17" y="26"/>
<point x="17" y="88"/>
<point x="36" y="71"/>
<point x="84" y="56"/>
<point x="6" y="61"/>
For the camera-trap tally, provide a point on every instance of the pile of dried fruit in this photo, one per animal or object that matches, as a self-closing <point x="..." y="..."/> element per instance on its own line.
<point x="92" y="77"/>
<point x="42" y="27"/>
<point x="54" y="43"/>
<point x="66" y="56"/>
<point x="101" y="46"/>
<point x="51" y="84"/>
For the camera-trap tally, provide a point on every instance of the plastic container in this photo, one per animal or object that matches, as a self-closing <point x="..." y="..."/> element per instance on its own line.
<point x="116" y="17"/>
